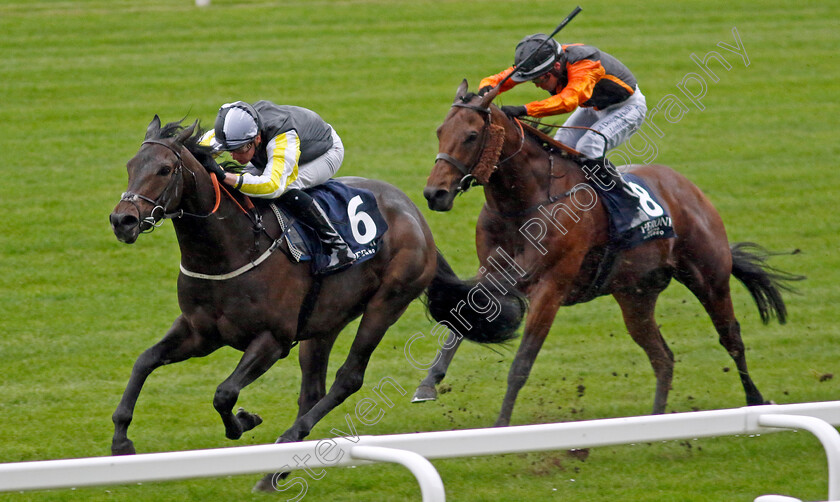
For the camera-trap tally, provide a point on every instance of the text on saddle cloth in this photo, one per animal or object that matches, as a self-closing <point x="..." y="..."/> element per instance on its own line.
<point x="355" y="215"/>
<point x="635" y="220"/>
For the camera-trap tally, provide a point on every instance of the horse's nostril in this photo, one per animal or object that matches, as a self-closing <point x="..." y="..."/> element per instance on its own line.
<point x="431" y="193"/>
<point x="123" y="220"/>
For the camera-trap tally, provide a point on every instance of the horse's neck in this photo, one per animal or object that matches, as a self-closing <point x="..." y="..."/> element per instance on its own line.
<point x="528" y="176"/>
<point x="221" y="239"/>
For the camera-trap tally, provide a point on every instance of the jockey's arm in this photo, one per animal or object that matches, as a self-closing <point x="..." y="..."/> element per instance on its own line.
<point x="493" y="80"/>
<point x="281" y="168"/>
<point x="583" y="75"/>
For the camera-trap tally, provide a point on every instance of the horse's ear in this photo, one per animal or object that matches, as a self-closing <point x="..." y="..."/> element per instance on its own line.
<point x="489" y="96"/>
<point x="154" y="128"/>
<point x="462" y="90"/>
<point x="186" y="133"/>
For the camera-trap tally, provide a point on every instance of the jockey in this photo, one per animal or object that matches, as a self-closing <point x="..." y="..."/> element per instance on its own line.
<point x="284" y="149"/>
<point x="601" y="93"/>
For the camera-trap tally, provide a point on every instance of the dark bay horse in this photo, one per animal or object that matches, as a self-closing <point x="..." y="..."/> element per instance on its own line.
<point x="539" y="213"/>
<point x="264" y="311"/>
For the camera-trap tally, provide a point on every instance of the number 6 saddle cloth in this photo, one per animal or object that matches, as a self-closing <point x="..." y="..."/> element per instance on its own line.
<point x="353" y="213"/>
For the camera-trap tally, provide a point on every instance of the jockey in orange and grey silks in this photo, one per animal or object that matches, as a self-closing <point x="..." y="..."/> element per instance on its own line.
<point x="601" y="94"/>
<point x="589" y="78"/>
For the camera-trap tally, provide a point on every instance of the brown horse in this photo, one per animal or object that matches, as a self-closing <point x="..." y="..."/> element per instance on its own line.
<point x="540" y="212"/>
<point x="264" y="311"/>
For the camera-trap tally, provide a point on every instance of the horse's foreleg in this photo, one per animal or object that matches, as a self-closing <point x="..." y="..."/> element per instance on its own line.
<point x="260" y="355"/>
<point x="177" y="345"/>
<point x="638" y="312"/>
<point x="426" y="390"/>
<point x="544" y="305"/>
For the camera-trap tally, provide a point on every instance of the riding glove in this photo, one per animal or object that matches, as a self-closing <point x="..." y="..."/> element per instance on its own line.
<point x="515" y="111"/>
<point x="214" y="168"/>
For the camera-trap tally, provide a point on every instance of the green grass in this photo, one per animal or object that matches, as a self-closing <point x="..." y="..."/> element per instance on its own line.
<point x="80" y="81"/>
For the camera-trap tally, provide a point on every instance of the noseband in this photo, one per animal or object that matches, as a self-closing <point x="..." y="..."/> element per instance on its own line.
<point x="158" y="213"/>
<point x="468" y="180"/>
<point x="489" y="133"/>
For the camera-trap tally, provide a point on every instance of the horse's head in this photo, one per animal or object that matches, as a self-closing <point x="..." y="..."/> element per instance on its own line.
<point x="155" y="181"/>
<point x="469" y="148"/>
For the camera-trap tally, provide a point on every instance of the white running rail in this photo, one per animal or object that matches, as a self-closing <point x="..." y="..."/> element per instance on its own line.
<point x="414" y="450"/>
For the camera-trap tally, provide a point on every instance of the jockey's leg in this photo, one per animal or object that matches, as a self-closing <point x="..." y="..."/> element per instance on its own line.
<point x="615" y="125"/>
<point x="582" y="117"/>
<point x="304" y="208"/>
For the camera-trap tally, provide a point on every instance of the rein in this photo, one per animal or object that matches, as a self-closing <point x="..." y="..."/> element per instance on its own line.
<point x="158" y="213"/>
<point x="469" y="179"/>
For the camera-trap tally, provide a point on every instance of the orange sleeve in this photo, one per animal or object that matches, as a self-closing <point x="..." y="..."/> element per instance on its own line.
<point x="493" y="80"/>
<point x="583" y="75"/>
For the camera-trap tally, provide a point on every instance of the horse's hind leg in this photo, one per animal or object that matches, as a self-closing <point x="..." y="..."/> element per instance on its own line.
<point x="313" y="356"/>
<point x="426" y="390"/>
<point x="715" y="296"/>
<point x="379" y="315"/>
<point x="177" y="345"/>
<point x="260" y="355"/>
<point x="638" y="311"/>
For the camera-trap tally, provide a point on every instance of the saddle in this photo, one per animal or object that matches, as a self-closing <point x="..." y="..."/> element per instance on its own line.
<point x="353" y="213"/>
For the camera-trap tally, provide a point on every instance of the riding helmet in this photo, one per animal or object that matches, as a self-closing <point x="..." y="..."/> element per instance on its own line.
<point x="237" y="124"/>
<point x="544" y="56"/>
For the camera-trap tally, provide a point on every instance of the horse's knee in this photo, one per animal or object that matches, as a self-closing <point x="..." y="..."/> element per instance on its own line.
<point x="224" y="399"/>
<point x="350" y="381"/>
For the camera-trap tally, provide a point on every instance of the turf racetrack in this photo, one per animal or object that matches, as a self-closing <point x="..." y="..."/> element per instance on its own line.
<point x="80" y="81"/>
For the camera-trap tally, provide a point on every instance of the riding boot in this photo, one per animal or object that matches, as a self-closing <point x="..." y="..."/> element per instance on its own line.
<point x="304" y="208"/>
<point x="604" y="174"/>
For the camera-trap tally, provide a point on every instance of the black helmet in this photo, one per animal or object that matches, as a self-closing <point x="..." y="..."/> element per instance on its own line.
<point x="237" y="124"/>
<point x="540" y="63"/>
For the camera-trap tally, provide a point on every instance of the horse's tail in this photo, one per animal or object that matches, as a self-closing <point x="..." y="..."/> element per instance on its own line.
<point x="479" y="311"/>
<point x="765" y="283"/>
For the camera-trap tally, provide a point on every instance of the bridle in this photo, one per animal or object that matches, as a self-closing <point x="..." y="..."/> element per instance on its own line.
<point x="469" y="180"/>
<point x="158" y="213"/>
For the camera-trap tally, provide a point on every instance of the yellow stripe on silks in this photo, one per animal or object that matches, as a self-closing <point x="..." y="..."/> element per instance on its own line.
<point x="207" y="138"/>
<point x="280" y="170"/>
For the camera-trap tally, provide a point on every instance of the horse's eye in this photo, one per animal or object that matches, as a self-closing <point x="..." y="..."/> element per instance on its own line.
<point x="471" y="137"/>
<point x="164" y="171"/>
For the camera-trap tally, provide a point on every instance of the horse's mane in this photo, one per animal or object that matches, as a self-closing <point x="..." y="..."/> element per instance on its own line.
<point x="202" y="153"/>
<point x="466" y="98"/>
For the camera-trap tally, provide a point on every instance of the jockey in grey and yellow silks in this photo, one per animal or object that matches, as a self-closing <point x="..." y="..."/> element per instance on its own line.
<point x="285" y="149"/>
<point x="293" y="136"/>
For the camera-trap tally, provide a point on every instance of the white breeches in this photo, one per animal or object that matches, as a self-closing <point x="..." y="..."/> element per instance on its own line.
<point x="320" y="169"/>
<point x="616" y="123"/>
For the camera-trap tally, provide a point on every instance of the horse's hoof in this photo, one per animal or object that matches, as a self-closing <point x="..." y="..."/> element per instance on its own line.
<point x="247" y="420"/>
<point x="125" y="447"/>
<point x="424" y="393"/>
<point x="266" y="484"/>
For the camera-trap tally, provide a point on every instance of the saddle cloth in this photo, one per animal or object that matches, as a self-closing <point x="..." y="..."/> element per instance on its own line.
<point x="638" y="219"/>
<point x="352" y="211"/>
